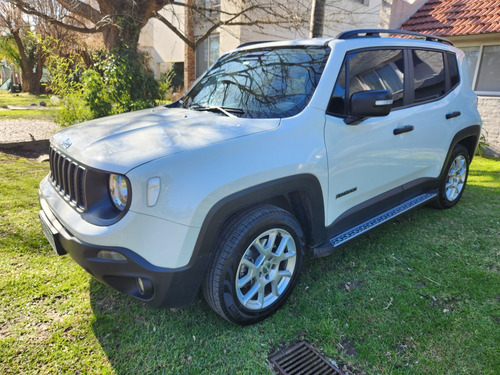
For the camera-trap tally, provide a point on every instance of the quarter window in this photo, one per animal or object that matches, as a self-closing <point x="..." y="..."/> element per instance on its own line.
<point x="453" y="69"/>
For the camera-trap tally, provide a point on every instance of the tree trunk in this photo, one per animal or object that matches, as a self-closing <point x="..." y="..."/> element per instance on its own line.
<point x="189" y="50"/>
<point x="317" y="19"/>
<point x="36" y="86"/>
<point x="29" y="83"/>
<point x="125" y="37"/>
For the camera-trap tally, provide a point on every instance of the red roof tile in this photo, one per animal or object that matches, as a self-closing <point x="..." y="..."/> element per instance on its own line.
<point x="456" y="17"/>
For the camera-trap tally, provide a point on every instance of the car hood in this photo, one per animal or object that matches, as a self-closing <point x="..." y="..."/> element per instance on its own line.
<point x="122" y="142"/>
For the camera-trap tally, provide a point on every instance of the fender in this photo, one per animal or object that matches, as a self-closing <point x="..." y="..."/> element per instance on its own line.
<point x="312" y="210"/>
<point x="461" y="137"/>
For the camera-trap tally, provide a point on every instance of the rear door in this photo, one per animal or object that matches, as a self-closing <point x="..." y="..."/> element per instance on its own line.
<point x="434" y="111"/>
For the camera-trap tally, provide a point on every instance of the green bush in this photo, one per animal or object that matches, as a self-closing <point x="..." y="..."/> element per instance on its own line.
<point x="65" y="82"/>
<point x="118" y="84"/>
<point x="112" y="84"/>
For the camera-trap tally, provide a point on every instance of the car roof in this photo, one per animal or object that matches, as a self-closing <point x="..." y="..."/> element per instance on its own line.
<point x="359" y="34"/>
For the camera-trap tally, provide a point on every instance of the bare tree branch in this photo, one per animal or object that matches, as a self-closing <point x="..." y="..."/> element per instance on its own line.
<point x="83" y="10"/>
<point x="175" y="30"/>
<point x="32" y="10"/>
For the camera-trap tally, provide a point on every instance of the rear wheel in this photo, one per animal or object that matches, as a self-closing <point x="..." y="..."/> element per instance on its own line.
<point x="255" y="266"/>
<point x="453" y="183"/>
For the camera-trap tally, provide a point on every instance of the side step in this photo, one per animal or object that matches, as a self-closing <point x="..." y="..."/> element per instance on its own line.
<point x="354" y="232"/>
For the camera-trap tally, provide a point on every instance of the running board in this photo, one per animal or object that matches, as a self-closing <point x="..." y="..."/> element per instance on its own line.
<point x="349" y="234"/>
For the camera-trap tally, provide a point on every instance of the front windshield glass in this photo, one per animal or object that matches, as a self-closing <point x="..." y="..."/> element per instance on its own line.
<point x="264" y="83"/>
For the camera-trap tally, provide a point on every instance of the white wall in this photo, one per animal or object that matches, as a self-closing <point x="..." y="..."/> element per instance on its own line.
<point x="163" y="45"/>
<point x="396" y="12"/>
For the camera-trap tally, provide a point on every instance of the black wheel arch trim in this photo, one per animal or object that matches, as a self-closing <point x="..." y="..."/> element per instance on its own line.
<point x="469" y="138"/>
<point x="305" y="187"/>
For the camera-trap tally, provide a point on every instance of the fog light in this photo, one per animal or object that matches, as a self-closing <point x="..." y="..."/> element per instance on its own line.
<point x="140" y="283"/>
<point x="111" y="255"/>
<point x="145" y="287"/>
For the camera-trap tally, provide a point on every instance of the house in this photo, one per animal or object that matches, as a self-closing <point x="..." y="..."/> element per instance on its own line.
<point x="474" y="27"/>
<point x="167" y="49"/>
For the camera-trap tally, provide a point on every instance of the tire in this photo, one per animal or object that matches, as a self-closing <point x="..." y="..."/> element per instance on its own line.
<point x="452" y="185"/>
<point x="255" y="266"/>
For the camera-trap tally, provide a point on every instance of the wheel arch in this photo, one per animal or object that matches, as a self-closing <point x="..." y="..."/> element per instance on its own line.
<point x="301" y="195"/>
<point x="470" y="140"/>
<point x="467" y="137"/>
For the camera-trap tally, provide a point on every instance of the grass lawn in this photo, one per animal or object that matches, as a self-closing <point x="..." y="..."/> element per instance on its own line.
<point x="418" y="295"/>
<point x="25" y="99"/>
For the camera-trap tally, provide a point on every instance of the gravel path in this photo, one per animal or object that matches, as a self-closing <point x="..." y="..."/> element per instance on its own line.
<point x="21" y="130"/>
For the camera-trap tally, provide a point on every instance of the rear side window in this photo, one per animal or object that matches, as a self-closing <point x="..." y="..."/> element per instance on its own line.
<point x="429" y="80"/>
<point x="369" y="70"/>
<point x="453" y="69"/>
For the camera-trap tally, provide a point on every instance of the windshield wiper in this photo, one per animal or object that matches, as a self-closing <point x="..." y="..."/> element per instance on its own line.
<point x="224" y="110"/>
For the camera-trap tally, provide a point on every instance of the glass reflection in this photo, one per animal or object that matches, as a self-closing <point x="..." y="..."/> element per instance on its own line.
<point x="264" y="83"/>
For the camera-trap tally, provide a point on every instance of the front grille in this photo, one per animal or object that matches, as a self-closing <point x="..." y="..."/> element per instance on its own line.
<point x="68" y="177"/>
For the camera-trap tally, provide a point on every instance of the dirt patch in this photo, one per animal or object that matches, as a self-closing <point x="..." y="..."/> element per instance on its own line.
<point x="26" y="138"/>
<point x="22" y="130"/>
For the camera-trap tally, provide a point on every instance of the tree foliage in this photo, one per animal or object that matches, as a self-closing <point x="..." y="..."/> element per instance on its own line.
<point x="120" y="21"/>
<point x="109" y="85"/>
<point x="116" y="84"/>
<point x="26" y="33"/>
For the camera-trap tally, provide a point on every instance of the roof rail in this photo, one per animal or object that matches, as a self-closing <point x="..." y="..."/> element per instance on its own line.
<point x="252" y="43"/>
<point x="375" y="33"/>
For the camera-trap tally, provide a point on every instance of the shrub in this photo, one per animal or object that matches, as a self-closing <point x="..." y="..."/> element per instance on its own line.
<point x="112" y="84"/>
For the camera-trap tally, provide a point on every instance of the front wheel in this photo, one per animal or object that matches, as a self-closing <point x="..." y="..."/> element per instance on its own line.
<point x="453" y="183"/>
<point x="255" y="266"/>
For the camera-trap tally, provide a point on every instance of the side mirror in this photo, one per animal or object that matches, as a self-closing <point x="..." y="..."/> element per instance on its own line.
<point x="372" y="103"/>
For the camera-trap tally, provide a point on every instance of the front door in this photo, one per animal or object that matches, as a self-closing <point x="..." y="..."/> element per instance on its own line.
<point x="367" y="161"/>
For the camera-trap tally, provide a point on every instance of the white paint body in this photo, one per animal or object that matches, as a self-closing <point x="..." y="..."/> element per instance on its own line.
<point x="203" y="157"/>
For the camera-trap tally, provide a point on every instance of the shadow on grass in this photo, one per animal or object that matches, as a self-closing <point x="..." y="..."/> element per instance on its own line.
<point x="141" y="339"/>
<point x="401" y="299"/>
<point x="31" y="150"/>
<point x="484" y="175"/>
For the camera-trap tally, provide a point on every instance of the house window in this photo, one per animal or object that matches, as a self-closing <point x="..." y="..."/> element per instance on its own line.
<point x="484" y="68"/>
<point x="211" y="7"/>
<point x="488" y="78"/>
<point x="207" y="53"/>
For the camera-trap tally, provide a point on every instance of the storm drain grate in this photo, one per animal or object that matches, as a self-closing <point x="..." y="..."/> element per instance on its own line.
<point x="302" y="359"/>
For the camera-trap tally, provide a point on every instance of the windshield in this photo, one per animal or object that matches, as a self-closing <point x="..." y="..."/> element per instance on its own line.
<point x="264" y="83"/>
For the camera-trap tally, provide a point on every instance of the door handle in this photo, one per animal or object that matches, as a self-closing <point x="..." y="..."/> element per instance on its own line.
<point x="453" y="114"/>
<point x="403" y="129"/>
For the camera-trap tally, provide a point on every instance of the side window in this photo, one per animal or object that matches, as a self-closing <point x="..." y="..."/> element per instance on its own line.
<point x="453" y="69"/>
<point x="428" y="75"/>
<point x="368" y="70"/>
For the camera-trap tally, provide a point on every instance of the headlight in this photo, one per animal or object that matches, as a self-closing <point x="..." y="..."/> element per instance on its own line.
<point x="118" y="191"/>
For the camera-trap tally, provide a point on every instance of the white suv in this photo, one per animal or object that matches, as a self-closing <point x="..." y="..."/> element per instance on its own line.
<point x="279" y="150"/>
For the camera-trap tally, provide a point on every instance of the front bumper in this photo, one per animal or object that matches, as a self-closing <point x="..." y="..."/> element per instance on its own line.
<point x="157" y="286"/>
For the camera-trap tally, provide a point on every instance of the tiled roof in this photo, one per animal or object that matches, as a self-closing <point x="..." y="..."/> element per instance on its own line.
<point x="456" y="17"/>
